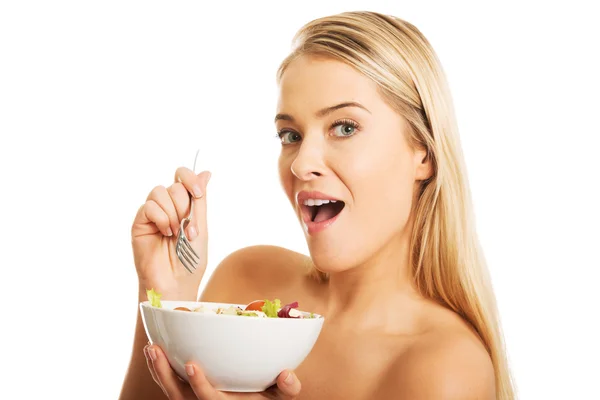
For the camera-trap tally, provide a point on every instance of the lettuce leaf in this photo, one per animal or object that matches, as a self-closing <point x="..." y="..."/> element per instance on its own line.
<point x="154" y="298"/>
<point x="271" y="307"/>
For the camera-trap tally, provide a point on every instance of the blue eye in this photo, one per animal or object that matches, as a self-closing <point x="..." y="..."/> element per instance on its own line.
<point x="288" y="137"/>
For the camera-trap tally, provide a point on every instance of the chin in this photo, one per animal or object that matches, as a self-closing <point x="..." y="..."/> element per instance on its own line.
<point x="331" y="259"/>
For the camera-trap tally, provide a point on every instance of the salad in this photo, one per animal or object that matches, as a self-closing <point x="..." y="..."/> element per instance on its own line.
<point x="257" y="308"/>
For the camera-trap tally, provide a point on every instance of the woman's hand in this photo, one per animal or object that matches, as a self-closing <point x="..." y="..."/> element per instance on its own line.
<point x="287" y="388"/>
<point x="154" y="235"/>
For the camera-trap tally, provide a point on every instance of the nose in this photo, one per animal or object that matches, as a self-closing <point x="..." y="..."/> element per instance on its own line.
<point x="309" y="162"/>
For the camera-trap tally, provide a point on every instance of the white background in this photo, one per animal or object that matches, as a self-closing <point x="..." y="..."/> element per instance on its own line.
<point x="101" y="101"/>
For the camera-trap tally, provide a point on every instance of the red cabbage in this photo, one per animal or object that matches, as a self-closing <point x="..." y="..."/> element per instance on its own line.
<point x="285" y="310"/>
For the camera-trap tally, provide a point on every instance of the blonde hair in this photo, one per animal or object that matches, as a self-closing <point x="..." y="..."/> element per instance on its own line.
<point x="448" y="264"/>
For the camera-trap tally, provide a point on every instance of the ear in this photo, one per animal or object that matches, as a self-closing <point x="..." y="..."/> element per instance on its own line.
<point x="424" y="165"/>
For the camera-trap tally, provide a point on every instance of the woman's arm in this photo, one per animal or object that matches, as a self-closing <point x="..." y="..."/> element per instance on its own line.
<point x="138" y="383"/>
<point x="246" y="274"/>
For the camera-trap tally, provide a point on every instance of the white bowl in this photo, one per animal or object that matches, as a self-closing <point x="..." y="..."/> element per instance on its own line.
<point x="237" y="354"/>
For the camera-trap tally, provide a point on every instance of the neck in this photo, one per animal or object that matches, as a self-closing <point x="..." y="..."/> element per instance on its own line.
<point x="369" y="294"/>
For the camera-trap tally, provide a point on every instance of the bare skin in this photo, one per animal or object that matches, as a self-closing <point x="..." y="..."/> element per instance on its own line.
<point x="381" y="338"/>
<point x="433" y="356"/>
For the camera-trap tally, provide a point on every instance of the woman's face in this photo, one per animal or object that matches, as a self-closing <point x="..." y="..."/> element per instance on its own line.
<point x="341" y="141"/>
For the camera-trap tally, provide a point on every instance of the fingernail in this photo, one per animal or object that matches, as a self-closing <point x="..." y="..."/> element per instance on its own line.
<point x="193" y="232"/>
<point x="197" y="191"/>
<point x="289" y="379"/>
<point x="208" y="178"/>
<point x="169" y="232"/>
<point x="152" y="353"/>
<point x="189" y="369"/>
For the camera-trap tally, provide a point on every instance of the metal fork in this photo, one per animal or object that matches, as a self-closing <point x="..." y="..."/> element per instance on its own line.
<point x="186" y="254"/>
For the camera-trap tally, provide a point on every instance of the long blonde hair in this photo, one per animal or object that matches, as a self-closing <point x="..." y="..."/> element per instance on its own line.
<point x="448" y="264"/>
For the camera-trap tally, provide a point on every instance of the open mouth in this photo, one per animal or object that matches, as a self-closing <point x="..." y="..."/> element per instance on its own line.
<point x="321" y="210"/>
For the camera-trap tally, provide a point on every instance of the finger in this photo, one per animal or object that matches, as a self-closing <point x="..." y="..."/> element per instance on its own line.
<point x="153" y="213"/>
<point x="161" y="196"/>
<point x="180" y="198"/>
<point x="199" y="217"/>
<point x="149" y="364"/>
<point x="170" y="382"/>
<point x="195" y="184"/>
<point x="152" y="370"/>
<point x="200" y="385"/>
<point x="192" y="182"/>
<point x="288" y="385"/>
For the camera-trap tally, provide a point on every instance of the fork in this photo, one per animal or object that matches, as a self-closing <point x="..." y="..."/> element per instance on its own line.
<point x="186" y="254"/>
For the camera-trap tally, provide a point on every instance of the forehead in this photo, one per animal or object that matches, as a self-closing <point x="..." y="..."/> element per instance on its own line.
<point x="310" y="83"/>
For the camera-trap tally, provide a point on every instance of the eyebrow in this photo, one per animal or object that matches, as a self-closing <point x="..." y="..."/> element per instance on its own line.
<point x="325" y="111"/>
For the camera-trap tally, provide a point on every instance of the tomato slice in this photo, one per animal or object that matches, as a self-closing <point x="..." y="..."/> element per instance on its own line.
<point x="256" y="305"/>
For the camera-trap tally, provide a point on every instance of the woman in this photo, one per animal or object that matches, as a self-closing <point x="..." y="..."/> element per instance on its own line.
<point x="366" y="122"/>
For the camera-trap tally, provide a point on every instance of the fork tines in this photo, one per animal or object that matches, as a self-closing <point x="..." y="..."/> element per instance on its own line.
<point x="186" y="253"/>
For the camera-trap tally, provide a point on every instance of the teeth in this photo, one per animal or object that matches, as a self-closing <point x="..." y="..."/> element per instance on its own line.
<point x="317" y="202"/>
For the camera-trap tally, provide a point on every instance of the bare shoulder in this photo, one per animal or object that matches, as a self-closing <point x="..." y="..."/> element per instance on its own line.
<point x="447" y="362"/>
<point x="258" y="272"/>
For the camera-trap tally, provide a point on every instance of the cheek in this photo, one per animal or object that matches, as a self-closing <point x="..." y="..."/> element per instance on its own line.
<point x="382" y="164"/>
<point x="285" y="175"/>
<point x="382" y="182"/>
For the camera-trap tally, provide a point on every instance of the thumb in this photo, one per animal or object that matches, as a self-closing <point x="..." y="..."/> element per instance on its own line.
<point x="288" y="385"/>
<point x="199" y="204"/>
